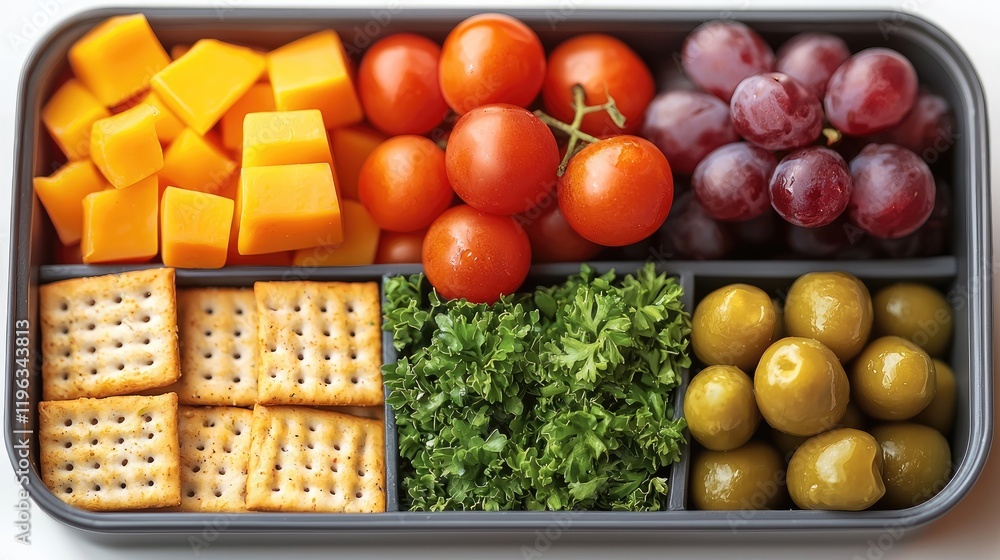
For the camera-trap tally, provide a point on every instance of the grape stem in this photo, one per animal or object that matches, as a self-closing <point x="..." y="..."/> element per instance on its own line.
<point x="581" y="109"/>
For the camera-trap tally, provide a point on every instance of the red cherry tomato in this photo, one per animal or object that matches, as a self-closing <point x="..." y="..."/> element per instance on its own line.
<point x="398" y="85"/>
<point x="552" y="238"/>
<point x="395" y="247"/>
<point x="477" y="256"/>
<point x="602" y="65"/>
<point x="491" y="58"/>
<point x="617" y="191"/>
<point x="502" y="159"/>
<point x="403" y="183"/>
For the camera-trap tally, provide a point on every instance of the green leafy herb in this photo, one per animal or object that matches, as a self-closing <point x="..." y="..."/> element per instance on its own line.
<point x="558" y="399"/>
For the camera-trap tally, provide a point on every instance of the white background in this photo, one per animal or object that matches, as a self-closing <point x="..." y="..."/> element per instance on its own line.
<point x="970" y="531"/>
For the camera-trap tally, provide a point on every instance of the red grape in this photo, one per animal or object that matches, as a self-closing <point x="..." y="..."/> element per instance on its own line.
<point x="821" y="242"/>
<point x="870" y="92"/>
<point x="811" y="187"/>
<point x="690" y="233"/>
<point x="717" y="55"/>
<point x="932" y="238"/>
<point x="893" y="191"/>
<point x="928" y="129"/>
<point x="731" y="182"/>
<point x="776" y="112"/>
<point x="686" y="126"/>
<point x="811" y="58"/>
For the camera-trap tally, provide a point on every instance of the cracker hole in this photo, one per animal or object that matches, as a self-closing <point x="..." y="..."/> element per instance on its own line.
<point x="326" y="357"/>
<point x="93" y="421"/>
<point x="208" y="355"/>
<point x="238" y="431"/>
<point x="333" y="492"/>
<point x="208" y="333"/>
<point x="333" y="467"/>
<point x="227" y="449"/>
<point x="350" y="308"/>
<point x="195" y="469"/>
<point x="118" y="344"/>
<point x="93" y="442"/>
<point x="93" y="371"/>
<point x="277" y="467"/>
<point x="150" y="483"/>
<point x="97" y="465"/>
<point x="91" y="302"/>
<point x="327" y="380"/>
<point x="122" y="485"/>
<point x="275" y="490"/>
<point x="69" y="467"/>
<point x="352" y="333"/>
<point x="284" y="449"/>
<point x="237" y="333"/>
<point x="239" y="310"/>
<point x="68" y="422"/>
<point x="91" y="327"/>
<point x="69" y="489"/>
<point x="209" y="310"/>
<point x="65" y="376"/>
<point x="124" y="462"/>
<point x="222" y="470"/>
<point x="92" y="349"/>
<point x="190" y="493"/>
<point x="118" y="323"/>
<point x="64" y="306"/>
<point x="310" y="445"/>
<point x="207" y="424"/>
<point x="306" y="489"/>
<point x="298" y="332"/>
<point x="354" y="355"/>
<point x="68" y="444"/>
<point x="218" y="494"/>
<point x="312" y="427"/>
<point x="300" y="356"/>
<point x="97" y="488"/>
<point x="298" y="308"/>
<point x="65" y="330"/>
<point x="146" y="341"/>
<point x="236" y="380"/>
<point x="147" y="418"/>
<point x="207" y="376"/>
<point x="67" y="353"/>
<point x="300" y="381"/>
<point x="357" y="494"/>
<point x="322" y="309"/>
<point x="150" y="362"/>
<point x="147" y="294"/>
<point x="121" y="419"/>
<point x="274" y="349"/>
<point x="145" y="318"/>
<point x="309" y="467"/>
<point x="237" y="356"/>
<point x="118" y="299"/>
<point x="273" y="375"/>
<point x="149" y="459"/>
<point x="354" y="380"/>
<point x="336" y="447"/>
<point x="121" y="440"/>
<point x="361" y="473"/>
<point x="200" y="447"/>
<point x="121" y="367"/>
<point x="149" y="436"/>
<point x="326" y="332"/>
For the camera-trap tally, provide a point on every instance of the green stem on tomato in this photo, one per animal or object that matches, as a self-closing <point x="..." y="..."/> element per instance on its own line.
<point x="581" y="109"/>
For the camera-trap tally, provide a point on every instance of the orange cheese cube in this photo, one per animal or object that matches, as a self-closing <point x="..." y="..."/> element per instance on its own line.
<point x="312" y="73"/>
<point x="121" y="224"/>
<point x="285" y="138"/>
<point x="358" y="248"/>
<point x="62" y="195"/>
<point x="168" y="126"/>
<point x="351" y="146"/>
<point x="116" y="59"/>
<point x="258" y="99"/>
<point x="69" y="115"/>
<point x="124" y="146"/>
<point x="287" y="207"/>
<point x="192" y="163"/>
<point x="195" y="228"/>
<point x="202" y="85"/>
<point x="234" y="258"/>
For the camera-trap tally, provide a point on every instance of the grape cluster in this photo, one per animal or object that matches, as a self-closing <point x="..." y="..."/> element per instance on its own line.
<point x="837" y="145"/>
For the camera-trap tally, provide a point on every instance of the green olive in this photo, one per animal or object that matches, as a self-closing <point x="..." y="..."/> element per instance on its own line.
<point x="800" y="386"/>
<point x="720" y="408"/>
<point x="940" y="414"/>
<point x="838" y="470"/>
<point x="748" y="477"/>
<point x="917" y="313"/>
<point x="787" y="443"/>
<point x="893" y="379"/>
<point x="779" y="320"/>
<point x="916" y="463"/>
<point x="732" y="326"/>
<point x="832" y="307"/>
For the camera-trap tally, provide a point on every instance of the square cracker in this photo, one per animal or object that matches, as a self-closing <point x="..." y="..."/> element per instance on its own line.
<point x="215" y="449"/>
<point x="320" y="343"/>
<point x="115" y="453"/>
<point x="218" y="347"/>
<point x="109" y="335"/>
<point x="303" y="459"/>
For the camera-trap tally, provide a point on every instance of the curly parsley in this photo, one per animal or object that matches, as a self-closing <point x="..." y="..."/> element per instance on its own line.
<point x="558" y="399"/>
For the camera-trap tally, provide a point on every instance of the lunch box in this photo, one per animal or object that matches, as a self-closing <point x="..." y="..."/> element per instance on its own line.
<point x="964" y="274"/>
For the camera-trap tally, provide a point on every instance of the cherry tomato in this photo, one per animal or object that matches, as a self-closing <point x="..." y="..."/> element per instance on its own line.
<point x="477" y="256"/>
<point x="617" y="191"/>
<point x="552" y="238"/>
<point x="491" y="58"/>
<point x="602" y="65"/>
<point x="395" y="247"/>
<point x="398" y="85"/>
<point x="502" y="159"/>
<point x="403" y="183"/>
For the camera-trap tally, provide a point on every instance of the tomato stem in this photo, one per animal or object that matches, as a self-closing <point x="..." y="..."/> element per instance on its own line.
<point x="581" y="109"/>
